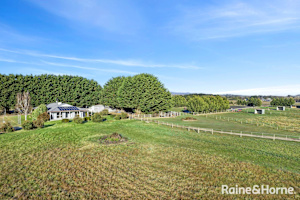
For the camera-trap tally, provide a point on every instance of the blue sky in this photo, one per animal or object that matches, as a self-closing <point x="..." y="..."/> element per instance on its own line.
<point x="239" y="47"/>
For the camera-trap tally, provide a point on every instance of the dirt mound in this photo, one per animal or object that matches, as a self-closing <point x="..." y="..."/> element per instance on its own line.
<point x="189" y="119"/>
<point x="114" y="138"/>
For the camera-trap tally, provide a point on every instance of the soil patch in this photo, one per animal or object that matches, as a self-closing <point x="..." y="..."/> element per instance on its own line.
<point x="114" y="138"/>
<point x="189" y="119"/>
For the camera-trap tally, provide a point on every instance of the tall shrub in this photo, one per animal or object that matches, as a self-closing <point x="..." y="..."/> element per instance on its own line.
<point x="38" y="111"/>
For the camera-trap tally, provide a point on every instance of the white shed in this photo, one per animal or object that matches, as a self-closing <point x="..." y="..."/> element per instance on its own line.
<point x="280" y="108"/>
<point x="259" y="111"/>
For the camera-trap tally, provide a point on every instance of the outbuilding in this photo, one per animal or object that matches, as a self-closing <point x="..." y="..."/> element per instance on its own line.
<point x="100" y="108"/>
<point x="280" y="108"/>
<point x="259" y="111"/>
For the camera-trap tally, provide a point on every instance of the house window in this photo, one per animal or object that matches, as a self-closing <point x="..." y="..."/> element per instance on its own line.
<point x="67" y="115"/>
<point x="57" y="115"/>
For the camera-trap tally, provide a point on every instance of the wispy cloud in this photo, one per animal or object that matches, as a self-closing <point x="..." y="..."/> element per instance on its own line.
<point x="43" y="63"/>
<point x="279" y="90"/>
<point x="131" y="63"/>
<point x="90" y="68"/>
<point x="114" y="16"/>
<point x="237" y="19"/>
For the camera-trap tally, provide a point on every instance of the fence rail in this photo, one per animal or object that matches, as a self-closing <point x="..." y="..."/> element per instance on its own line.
<point x="212" y="131"/>
<point x="173" y="114"/>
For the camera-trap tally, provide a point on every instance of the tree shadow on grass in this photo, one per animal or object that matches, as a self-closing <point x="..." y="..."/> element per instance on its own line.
<point x="17" y="128"/>
<point x="48" y="125"/>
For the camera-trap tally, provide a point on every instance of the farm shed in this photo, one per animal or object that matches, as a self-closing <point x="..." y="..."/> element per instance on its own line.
<point x="99" y="108"/>
<point x="280" y="108"/>
<point x="259" y="111"/>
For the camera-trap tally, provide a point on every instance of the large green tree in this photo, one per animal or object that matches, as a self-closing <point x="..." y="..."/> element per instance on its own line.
<point x="179" y="101"/>
<point x="144" y="92"/>
<point x="110" y="90"/>
<point x="45" y="89"/>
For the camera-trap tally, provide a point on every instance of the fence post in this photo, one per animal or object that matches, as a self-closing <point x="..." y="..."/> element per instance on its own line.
<point x="212" y="131"/>
<point x="274" y="137"/>
<point x="198" y="130"/>
<point x="241" y="134"/>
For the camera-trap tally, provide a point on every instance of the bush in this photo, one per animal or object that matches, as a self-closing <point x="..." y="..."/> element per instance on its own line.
<point x="124" y="115"/>
<point x="39" y="123"/>
<point x="104" y="112"/>
<point x="65" y="120"/>
<point x="87" y="119"/>
<point x="97" y="117"/>
<point x="39" y="110"/>
<point x="77" y="120"/>
<point x="44" y="116"/>
<point x="6" y="128"/>
<point x="27" y="125"/>
<point x="118" y="117"/>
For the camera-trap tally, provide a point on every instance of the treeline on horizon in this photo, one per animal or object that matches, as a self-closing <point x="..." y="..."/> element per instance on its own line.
<point x="201" y="103"/>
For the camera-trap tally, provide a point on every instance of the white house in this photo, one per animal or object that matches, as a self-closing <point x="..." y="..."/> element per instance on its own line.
<point x="59" y="110"/>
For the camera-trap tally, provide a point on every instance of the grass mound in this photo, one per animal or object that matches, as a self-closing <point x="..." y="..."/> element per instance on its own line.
<point x="114" y="138"/>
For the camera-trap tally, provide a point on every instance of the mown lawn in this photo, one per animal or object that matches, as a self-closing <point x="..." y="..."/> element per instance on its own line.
<point x="66" y="161"/>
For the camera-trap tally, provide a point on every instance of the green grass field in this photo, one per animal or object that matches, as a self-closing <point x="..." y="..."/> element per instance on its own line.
<point x="67" y="161"/>
<point x="273" y="122"/>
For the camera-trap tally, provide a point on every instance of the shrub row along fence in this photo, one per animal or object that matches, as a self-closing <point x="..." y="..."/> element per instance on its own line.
<point x="212" y="131"/>
<point x="257" y="123"/>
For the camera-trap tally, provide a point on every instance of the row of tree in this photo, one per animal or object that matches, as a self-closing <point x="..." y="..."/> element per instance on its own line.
<point x="253" y="101"/>
<point x="44" y="89"/>
<point x="207" y="103"/>
<point x="282" y="102"/>
<point x="142" y="92"/>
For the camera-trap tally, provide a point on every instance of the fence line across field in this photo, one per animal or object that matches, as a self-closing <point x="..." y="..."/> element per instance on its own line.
<point x="256" y="123"/>
<point x="212" y="131"/>
<point x="174" y="114"/>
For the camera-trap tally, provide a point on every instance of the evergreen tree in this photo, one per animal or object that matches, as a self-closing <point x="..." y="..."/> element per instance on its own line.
<point x="144" y="92"/>
<point x="109" y="94"/>
<point x="179" y="101"/>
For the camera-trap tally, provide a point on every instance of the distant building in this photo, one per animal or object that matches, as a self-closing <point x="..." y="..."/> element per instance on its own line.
<point x="259" y="111"/>
<point x="100" y="108"/>
<point x="280" y="108"/>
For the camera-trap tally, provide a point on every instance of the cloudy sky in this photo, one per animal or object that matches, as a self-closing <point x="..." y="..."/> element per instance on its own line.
<point x="207" y="46"/>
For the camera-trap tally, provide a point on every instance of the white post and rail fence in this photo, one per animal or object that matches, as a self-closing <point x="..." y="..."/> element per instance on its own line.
<point x="212" y="131"/>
